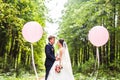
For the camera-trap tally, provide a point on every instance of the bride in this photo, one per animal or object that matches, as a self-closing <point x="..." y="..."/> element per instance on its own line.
<point x="61" y="68"/>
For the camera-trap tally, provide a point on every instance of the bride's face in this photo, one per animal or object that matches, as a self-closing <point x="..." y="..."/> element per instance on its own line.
<point x="58" y="43"/>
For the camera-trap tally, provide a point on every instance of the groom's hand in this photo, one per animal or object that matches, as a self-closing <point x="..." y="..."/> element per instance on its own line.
<point x="57" y="58"/>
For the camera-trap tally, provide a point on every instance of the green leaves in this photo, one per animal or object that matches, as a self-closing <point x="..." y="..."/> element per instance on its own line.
<point x="79" y="17"/>
<point x="13" y="15"/>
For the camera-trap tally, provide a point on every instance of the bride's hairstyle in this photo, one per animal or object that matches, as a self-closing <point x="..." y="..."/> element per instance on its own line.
<point x="61" y="41"/>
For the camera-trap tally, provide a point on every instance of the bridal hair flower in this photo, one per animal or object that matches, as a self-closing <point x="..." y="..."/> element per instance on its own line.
<point x="58" y="68"/>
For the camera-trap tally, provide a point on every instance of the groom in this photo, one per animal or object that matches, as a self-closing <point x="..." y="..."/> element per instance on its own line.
<point x="50" y="57"/>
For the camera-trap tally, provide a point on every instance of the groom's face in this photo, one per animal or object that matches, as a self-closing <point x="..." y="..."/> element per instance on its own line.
<point x="52" y="41"/>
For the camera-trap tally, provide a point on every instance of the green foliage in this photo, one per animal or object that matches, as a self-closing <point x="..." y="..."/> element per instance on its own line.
<point x="88" y="67"/>
<point x="78" y="18"/>
<point x="15" y="52"/>
<point x="88" y="72"/>
<point x="22" y="76"/>
<point x="101" y="75"/>
<point x="26" y="76"/>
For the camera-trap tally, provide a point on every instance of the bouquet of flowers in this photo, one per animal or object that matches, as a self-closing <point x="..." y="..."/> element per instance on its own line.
<point x="58" y="68"/>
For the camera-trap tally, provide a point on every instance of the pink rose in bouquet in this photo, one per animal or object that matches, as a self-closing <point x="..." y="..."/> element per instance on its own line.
<point x="58" y="68"/>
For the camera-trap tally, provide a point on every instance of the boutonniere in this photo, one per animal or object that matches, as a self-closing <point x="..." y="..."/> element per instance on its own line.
<point x="52" y="49"/>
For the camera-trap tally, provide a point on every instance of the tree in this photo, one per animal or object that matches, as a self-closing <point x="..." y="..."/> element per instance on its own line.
<point x="14" y="50"/>
<point x="79" y="17"/>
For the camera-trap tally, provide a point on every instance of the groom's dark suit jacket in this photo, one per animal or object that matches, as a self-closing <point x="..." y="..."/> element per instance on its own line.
<point x="50" y="58"/>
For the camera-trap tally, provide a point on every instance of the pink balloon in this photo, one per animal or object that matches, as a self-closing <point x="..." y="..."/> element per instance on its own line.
<point x="32" y="31"/>
<point x="98" y="36"/>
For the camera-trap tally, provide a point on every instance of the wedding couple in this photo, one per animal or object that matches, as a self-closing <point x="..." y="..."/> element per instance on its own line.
<point x="57" y="67"/>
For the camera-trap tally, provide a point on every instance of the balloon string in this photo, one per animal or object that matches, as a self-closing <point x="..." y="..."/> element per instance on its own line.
<point x="33" y="61"/>
<point x="97" y="60"/>
<point x="97" y="54"/>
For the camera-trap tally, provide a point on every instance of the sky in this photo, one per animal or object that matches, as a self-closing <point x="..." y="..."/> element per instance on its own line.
<point x="55" y="7"/>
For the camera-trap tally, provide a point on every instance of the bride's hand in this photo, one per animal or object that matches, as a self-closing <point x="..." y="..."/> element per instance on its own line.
<point x="57" y="58"/>
<point x="61" y="66"/>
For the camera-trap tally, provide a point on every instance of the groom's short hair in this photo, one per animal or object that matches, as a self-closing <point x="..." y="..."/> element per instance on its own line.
<point x="50" y="37"/>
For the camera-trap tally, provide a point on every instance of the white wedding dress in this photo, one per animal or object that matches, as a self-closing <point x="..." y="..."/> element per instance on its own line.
<point x="66" y="71"/>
